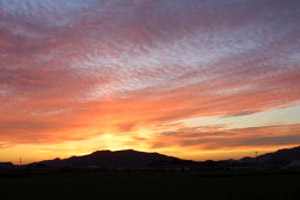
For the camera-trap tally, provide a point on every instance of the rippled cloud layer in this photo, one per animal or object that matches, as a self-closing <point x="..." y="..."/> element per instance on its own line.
<point x="76" y="70"/>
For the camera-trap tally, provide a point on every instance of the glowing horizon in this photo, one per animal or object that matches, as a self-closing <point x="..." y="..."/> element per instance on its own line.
<point x="192" y="79"/>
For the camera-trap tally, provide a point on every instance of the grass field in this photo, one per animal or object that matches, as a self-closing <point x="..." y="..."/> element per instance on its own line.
<point x="159" y="185"/>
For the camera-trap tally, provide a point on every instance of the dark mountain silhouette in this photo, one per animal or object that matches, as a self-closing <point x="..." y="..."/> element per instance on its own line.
<point x="131" y="159"/>
<point x="125" y="159"/>
<point x="6" y="165"/>
<point x="281" y="156"/>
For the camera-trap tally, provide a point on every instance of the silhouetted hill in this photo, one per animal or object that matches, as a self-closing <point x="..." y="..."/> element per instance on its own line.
<point x="282" y="155"/>
<point x="131" y="159"/>
<point x="6" y="165"/>
<point x="125" y="159"/>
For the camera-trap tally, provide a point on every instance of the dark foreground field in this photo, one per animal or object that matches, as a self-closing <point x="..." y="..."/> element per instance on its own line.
<point x="159" y="185"/>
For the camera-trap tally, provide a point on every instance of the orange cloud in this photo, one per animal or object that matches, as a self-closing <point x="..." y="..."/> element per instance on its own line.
<point x="215" y="138"/>
<point x="72" y="72"/>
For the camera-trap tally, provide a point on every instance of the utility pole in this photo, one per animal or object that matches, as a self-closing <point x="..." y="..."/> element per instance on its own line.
<point x="20" y="161"/>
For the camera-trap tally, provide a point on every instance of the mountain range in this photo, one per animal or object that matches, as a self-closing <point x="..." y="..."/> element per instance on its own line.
<point x="131" y="159"/>
<point x="124" y="159"/>
<point x="280" y="156"/>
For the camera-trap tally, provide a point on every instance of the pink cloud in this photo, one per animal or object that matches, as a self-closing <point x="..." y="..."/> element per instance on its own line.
<point x="129" y="66"/>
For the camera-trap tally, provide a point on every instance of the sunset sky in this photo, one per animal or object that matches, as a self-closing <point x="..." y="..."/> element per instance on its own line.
<point x="195" y="79"/>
